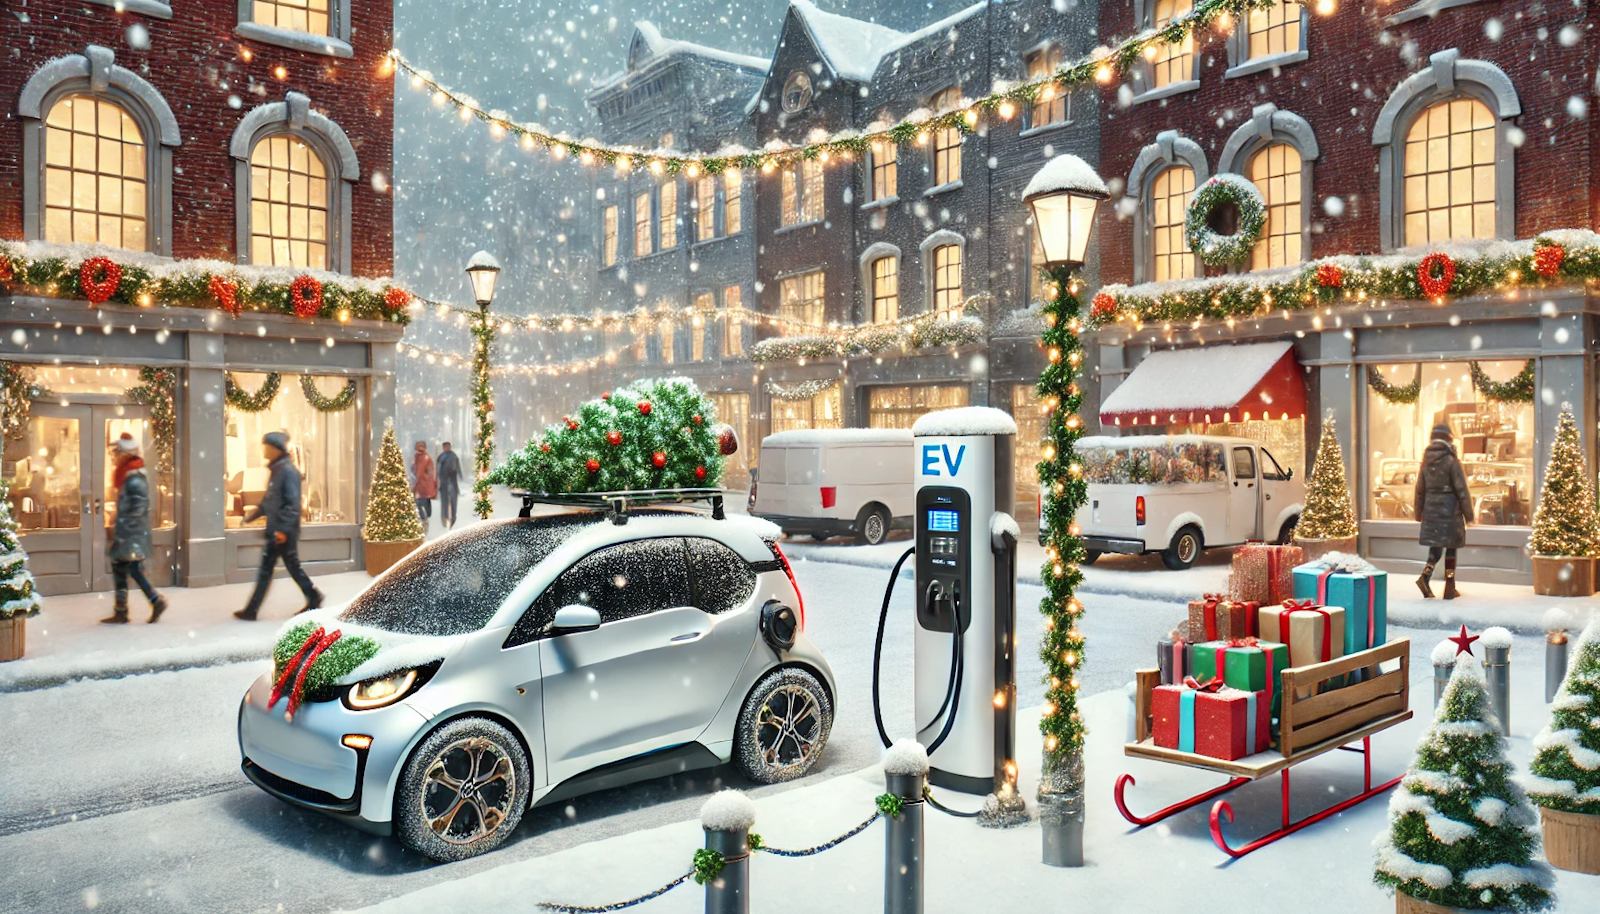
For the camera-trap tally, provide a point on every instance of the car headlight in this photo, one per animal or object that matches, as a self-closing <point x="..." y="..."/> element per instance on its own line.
<point x="385" y="690"/>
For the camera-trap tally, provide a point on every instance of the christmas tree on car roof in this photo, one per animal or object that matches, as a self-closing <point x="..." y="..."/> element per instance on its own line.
<point x="658" y="434"/>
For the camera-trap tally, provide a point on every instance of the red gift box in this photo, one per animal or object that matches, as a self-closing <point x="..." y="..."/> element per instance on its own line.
<point x="1211" y="720"/>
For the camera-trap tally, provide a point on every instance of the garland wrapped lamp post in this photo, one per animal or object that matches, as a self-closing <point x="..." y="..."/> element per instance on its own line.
<point x="483" y="270"/>
<point x="1063" y="197"/>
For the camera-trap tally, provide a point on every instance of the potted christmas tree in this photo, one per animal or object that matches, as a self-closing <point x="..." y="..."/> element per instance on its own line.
<point x="1328" y="523"/>
<point x="1462" y="835"/>
<point x="393" y="528"/>
<point x="18" y="598"/>
<point x="1566" y="530"/>
<point x="1566" y="764"/>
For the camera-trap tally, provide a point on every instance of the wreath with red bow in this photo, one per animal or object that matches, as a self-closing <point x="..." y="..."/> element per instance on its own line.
<point x="226" y="292"/>
<point x="99" y="278"/>
<point x="396" y="299"/>
<point x="1435" y="274"/>
<point x="305" y="293"/>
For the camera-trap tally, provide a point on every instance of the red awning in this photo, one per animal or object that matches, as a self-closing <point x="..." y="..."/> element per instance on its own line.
<point x="1209" y="384"/>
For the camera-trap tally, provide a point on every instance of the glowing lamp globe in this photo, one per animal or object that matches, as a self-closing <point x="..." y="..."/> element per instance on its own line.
<point x="1064" y="196"/>
<point x="483" y="269"/>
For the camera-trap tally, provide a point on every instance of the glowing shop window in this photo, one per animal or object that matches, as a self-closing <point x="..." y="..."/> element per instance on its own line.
<point x="322" y="445"/>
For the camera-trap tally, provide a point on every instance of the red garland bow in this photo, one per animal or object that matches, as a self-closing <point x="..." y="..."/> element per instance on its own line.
<point x="99" y="277"/>
<point x="294" y="662"/>
<point x="1547" y="259"/>
<point x="6" y="273"/>
<point x="1330" y="276"/>
<point x="226" y="292"/>
<point x="1102" y="306"/>
<point x="1433" y="285"/>
<point x="305" y="293"/>
<point x="1213" y="684"/>
<point x="396" y="300"/>
<point x="323" y="643"/>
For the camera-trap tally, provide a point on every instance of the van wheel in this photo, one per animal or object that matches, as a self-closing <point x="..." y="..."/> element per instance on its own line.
<point x="820" y="537"/>
<point x="784" y="726"/>
<point x="463" y="790"/>
<point x="1286" y="535"/>
<point x="1184" y="551"/>
<point x="872" y="526"/>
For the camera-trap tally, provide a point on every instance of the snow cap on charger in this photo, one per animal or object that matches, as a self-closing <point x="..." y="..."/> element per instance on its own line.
<point x="1495" y="637"/>
<point x="728" y="810"/>
<point x="967" y="420"/>
<point x="906" y="757"/>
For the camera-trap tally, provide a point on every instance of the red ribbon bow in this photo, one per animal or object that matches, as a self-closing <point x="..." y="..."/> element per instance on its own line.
<point x="1210" y="685"/>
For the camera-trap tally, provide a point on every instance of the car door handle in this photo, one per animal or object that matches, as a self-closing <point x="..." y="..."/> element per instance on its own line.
<point x="687" y="637"/>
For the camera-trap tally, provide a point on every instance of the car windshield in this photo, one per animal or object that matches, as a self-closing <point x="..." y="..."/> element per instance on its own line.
<point x="454" y="586"/>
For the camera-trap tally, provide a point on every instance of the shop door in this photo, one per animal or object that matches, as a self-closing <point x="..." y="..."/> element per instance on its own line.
<point x="50" y="497"/>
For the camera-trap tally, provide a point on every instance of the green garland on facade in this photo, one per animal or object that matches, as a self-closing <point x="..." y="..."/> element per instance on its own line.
<point x="1217" y="250"/>
<point x="338" y="403"/>
<point x="803" y="390"/>
<point x="18" y="390"/>
<point x="927" y="331"/>
<point x="483" y="332"/>
<point x="1402" y="395"/>
<point x="1062" y="483"/>
<point x="247" y="402"/>
<point x="157" y="389"/>
<point x="1517" y="390"/>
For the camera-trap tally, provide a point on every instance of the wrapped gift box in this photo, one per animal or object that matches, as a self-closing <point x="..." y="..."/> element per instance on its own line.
<point x="1216" y="722"/>
<point x="1214" y="617"/>
<point x="1264" y="573"/>
<point x="1172" y="658"/>
<point x="1315" y="634"/>
<point x="1356" y="585"/>
<point x="1246" y="664"/>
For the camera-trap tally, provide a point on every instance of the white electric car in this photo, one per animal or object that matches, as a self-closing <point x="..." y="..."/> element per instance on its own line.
<point x="529" y="660"/>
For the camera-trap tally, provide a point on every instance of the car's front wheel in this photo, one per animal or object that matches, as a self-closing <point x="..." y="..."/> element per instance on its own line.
<point x="784" y="726"/>
<point x="463" y="791"/>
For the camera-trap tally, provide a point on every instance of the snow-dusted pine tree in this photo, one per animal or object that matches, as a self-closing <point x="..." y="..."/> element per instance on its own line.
<point x="391" y="510"/>
<point x="1566" y="522"/>
<point x="1566" y="761"/>
<point x="18" y="597"/>
<point x="1461" y="832"/>
<point x="1328" y="514"/>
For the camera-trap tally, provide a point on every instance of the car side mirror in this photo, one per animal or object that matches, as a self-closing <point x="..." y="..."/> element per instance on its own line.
<point x="575" y="618"/>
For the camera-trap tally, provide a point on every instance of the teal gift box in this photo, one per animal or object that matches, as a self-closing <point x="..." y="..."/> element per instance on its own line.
<point x="1354" y="584"/>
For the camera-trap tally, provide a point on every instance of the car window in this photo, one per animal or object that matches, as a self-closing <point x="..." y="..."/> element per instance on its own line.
<point x="1244" y="463"/>
<point x="722" y="580"/>
<point x="1270" y="468"/>
<point x="621" y="581"/>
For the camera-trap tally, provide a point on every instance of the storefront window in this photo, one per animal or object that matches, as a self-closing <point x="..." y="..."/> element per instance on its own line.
<point x="901" y="407"/>
<point x="1030" y="417"/>
<point x="43" y="469"/>
<point x="824" y="410"/>
<point x="734" y="409"/>
<point x="1494" y="440"/>
<point x="323" y="445"/>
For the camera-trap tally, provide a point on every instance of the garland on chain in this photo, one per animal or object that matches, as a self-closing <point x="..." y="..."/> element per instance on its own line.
<point x="1479" y="268"/>
<point x="1104" y="65"/>
<point x="804" y="390"/>
<point x="85" y="272"/>
<point x="1402" y="395"/>
<point x="18" y="390"/>
<point x="1218" y="250"/>
<point x="247" y="402"/>
<point x="338" y="403"/>
<point x="1062" y="483"/>
<point x="1517" y="390"/>
<point x="157" y="389"/>
<point x="483" y="329"/>
<point x="926" y="332"/>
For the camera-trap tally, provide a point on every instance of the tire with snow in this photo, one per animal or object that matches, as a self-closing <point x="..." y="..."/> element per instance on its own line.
<point x="1185" y="549"/>
<point x="784" y="726"/>
<point x="1286" y="535"/>
<point x="872" y="525"/>
<point x="463" y="791"/>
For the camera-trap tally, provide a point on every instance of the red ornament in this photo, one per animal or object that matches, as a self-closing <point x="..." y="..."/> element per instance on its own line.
<point x="606" y="395"/>
<point x="659" y="459"/>
<point x="644" y="407"/>
<point x="727" y="440"/>
<point x="1330" y="276"/>
<point x="545" y="448"/>
<point x="593" y="465"/>
<point x="614" y="437"/>
<point x="99" y="278"/>
<point x="572" y="425"/>
<point x="396" y="300"/>
<point x="1102" y="307"/>
<point x="700" y="473"/>
<point x="1435" y="274"/>
<point x="1547" y="259"/>
<point x="226" y="292"/>
<point x="305" y="293"/>
<point x="696" y="419"/>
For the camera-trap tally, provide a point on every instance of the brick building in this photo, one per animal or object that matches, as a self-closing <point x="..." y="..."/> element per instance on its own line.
<point x="169" y="137"/>
<point x="1406" y="126"/>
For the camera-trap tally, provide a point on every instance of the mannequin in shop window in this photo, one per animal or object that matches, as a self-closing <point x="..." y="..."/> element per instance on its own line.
<point x="1444" y="507"/>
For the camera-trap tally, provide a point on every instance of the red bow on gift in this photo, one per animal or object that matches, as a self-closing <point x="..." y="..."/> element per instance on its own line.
<point x="1210" y="685"/>
<point x="1293" y="605"/>
<point x="1247" y="641"/>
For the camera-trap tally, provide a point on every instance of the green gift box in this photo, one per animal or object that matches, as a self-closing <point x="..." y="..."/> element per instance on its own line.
<point x="1247" y="664"/>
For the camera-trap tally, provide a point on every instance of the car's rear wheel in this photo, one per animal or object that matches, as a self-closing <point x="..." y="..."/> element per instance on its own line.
<point x="783" y="727"/>
<point x="463" y="791"/>
<point x="872" y="527"/>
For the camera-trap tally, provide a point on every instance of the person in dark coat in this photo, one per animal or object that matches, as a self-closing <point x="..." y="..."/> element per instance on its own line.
<point x="1444" y="506"/>
<point x="130" y="537"/>
<point x="281" y="507"/>
<point x="448" y="467"/>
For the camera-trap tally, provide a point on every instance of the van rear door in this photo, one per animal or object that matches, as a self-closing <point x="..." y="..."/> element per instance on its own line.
<point x="1110" y="511"/>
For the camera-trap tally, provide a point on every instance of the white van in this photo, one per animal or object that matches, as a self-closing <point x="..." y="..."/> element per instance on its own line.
<point x="1181" y="494"/>
<point x="829" y="482"/>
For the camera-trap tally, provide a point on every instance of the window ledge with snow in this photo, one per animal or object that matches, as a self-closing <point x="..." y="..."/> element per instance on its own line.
<point x="944" y="188"/>
<point x="1167" y="91"/>
<point x="710" y="241"/>
<point x="881" y="203"/>
<point x="299" y="41"/>
<point x="1424" y="9"/>
<point x="785" y="229"/>
<point x="1262" y="64"/>
<point x="1043" y="129"/>
<point x="155" y="9"/>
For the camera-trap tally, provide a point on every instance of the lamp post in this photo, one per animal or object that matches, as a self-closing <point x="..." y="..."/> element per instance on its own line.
<point x="1063" y="196"/>
<point x="483" y="270"/>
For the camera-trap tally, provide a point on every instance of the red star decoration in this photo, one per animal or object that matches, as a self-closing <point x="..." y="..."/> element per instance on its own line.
<point x="1463" y="641"/>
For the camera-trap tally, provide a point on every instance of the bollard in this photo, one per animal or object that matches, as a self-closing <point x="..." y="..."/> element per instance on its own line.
<point x="1496" y="643"/>
<point x="727" y="818"/>
<point x="1444" y="663"/>
<point x="1061" y="811"/>
<point x="1555" y="663"/>
<point x="905" y="767"/>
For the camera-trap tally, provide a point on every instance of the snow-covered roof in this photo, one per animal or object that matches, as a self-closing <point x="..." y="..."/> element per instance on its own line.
<point x="1065" y="172"/>
<point x="662" y="46"/>
<point x="852" y="47"/>
<point x="1090" y="442"/>
<point x="1203" y="377"/>
<point x="822" y="436"/>
<point x="967" y="420"/>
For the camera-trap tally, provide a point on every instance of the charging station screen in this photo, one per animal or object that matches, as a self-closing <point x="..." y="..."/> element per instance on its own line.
<point x="944" y="522"/>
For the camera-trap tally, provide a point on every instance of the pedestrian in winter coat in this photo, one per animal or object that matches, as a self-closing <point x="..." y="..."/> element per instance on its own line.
<point x="130" y="537"/>
<point x="425" y="483"/>
<point x="449" y="471"/>
<point x="281" y="507"/>
<point x="1444" y="506"/>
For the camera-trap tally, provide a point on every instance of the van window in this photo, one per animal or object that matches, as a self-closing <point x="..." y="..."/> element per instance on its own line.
<point x="1270" y="468"/>
<point x="1181" y="463"/>
<point x="1244" y="463"/>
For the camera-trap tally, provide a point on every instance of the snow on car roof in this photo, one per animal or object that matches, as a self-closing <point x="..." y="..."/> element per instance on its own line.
<point x="821" y="436"/>
<point x="967" y="420"/>
<point x="1133" y="441"/>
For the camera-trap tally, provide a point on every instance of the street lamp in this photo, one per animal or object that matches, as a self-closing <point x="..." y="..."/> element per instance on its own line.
<point x="1064" y="196"/>
<point x="483" y="270"/>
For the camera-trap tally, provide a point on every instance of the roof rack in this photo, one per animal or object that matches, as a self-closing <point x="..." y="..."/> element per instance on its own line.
<point x="617" y="504"/>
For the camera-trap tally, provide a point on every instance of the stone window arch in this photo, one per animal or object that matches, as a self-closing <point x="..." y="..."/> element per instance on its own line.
<point x="880" y="282"/>
<point x="944" y="256"/>
<point x="293" y="118"/>
<point x="94" y="74"/>
<point x="1266" y="38"/>
<point x="1168" y="153"/>
<point x="1175" y="68"/>
<point x="1447" y="78"/>
<point x="1288" y="198"/>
